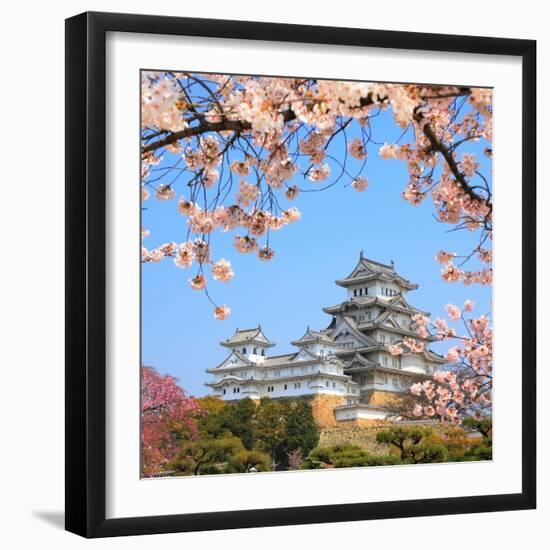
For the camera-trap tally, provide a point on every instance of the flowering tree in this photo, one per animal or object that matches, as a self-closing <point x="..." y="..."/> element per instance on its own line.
<point x="237" y="144"/>
<point x="166" y="413"/>
<point x="465" y="388"/>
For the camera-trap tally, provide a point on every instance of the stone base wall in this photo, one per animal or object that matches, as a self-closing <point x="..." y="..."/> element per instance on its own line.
<point x="391" y="400"/>
<point x="363" y="436"/>
<point x="322" y="407"/>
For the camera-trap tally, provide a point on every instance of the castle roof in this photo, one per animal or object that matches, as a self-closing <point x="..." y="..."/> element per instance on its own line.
<point x="386" y="320"/>
<point x="370" y="270"/>
<point x="313" y="336"/>
<point x="347" y="324"/>
<point x="396" y="303"/>
<point x="248" y="336"/>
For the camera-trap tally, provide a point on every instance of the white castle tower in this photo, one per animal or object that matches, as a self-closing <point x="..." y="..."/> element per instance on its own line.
<point x="350" y="359"/>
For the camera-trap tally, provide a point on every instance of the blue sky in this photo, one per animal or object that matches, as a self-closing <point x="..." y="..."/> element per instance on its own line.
<point x="181" y="337"/>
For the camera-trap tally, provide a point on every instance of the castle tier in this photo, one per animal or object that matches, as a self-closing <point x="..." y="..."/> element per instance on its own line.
<point x="349" y="359"/>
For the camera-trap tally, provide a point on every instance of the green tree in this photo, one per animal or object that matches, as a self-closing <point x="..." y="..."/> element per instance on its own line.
<point x="484" y="426"/>
<point x="247" y="461"/>
<point x="228" y="419"/>
<point x="269" y="429"/>
<point x="280" y="428"/>
<point x="345" y="456"/>
<point x="302" y="431"/>
<point x="412" y="444"/>
<point x="206" y="456"/>
<point x="237" y="418"/>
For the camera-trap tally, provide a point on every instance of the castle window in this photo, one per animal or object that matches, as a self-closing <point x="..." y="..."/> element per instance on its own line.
<point x="334" y="384"/>
<point x="327" y="383"/>
<point x="297" y="385"/>
<point x="244" y="350"/>
<point x="255" y="351"/>
<point x="263" y="351"/>
<point x="366" y="290"/>
<point x="224" y="391"/>
<point x="355" y="292"/>
<point x="286" y="386"/>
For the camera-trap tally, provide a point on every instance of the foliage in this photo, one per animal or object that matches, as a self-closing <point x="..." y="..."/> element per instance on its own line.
<point x="284" y="430"/>
<point x="345" y="456"/>
<point x="283" y="426"/>
<point x="228" y="419"/>
<point x="249" y="461"/>
<point x="302" y="432"/>
<point x="167" y="415"/>
<point x="412" y="444"/>
<point x="422" y="444"/>
<point x="206" y="456"/>
<point x="482" y="425"/>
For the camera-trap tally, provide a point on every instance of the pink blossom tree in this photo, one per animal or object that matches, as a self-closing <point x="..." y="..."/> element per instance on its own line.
<point x="464" y="388"/>
<point x="166" y="413"/>
<point x="237" y="143"/>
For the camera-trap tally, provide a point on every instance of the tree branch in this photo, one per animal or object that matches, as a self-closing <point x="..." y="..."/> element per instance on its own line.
<point x="437" y="145"/>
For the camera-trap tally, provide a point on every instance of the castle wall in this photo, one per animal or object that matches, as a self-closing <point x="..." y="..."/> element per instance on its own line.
<point x="360" y="434"/>
<point x="322" y="407"/>
<point x="389" y="399"/>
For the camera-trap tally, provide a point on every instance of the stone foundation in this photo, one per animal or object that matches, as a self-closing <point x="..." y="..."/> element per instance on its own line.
<point x="362" y="435"/>
<point x="391" y="400"/>
<point x="322" y="407"/>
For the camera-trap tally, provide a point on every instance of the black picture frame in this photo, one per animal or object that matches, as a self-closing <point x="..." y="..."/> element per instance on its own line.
<point x="86" y="273"/>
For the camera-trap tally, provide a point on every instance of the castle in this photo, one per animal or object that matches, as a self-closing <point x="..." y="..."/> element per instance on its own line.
<point x="347" y="367"/>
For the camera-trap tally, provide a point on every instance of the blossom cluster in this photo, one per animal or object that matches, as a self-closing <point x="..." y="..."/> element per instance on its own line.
<point x="465" y="388"/>
<point x="164" y="407"/>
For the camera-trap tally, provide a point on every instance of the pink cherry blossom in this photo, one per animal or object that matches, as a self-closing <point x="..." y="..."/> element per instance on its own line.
<point x="165" y="192"/>
<point x="221" y="271"/>
<point x="395" y="349"/>
<point x="221" y="312"/>
<point x="453" y="312"/>
<point x="356" y="149"/>
<point x="360" y="184"/>
<point x="266" y="253"/>
<point x="245" y="244"/>
<point x="198" y="282"/>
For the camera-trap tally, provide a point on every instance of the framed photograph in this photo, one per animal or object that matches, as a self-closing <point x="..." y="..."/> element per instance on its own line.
<point x="300" y="274"/>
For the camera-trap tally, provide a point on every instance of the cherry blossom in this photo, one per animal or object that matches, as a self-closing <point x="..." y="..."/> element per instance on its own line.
<point x="198" y="282"/>
<point x="238" y="145"/>
<point x="165" y="408"/>
<point x="266" y="253"/>
<point x="360" y="184"/>
<point x="221" y="271"/>
<point x="221" y="312"/>
<point x="465" y="387"/>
